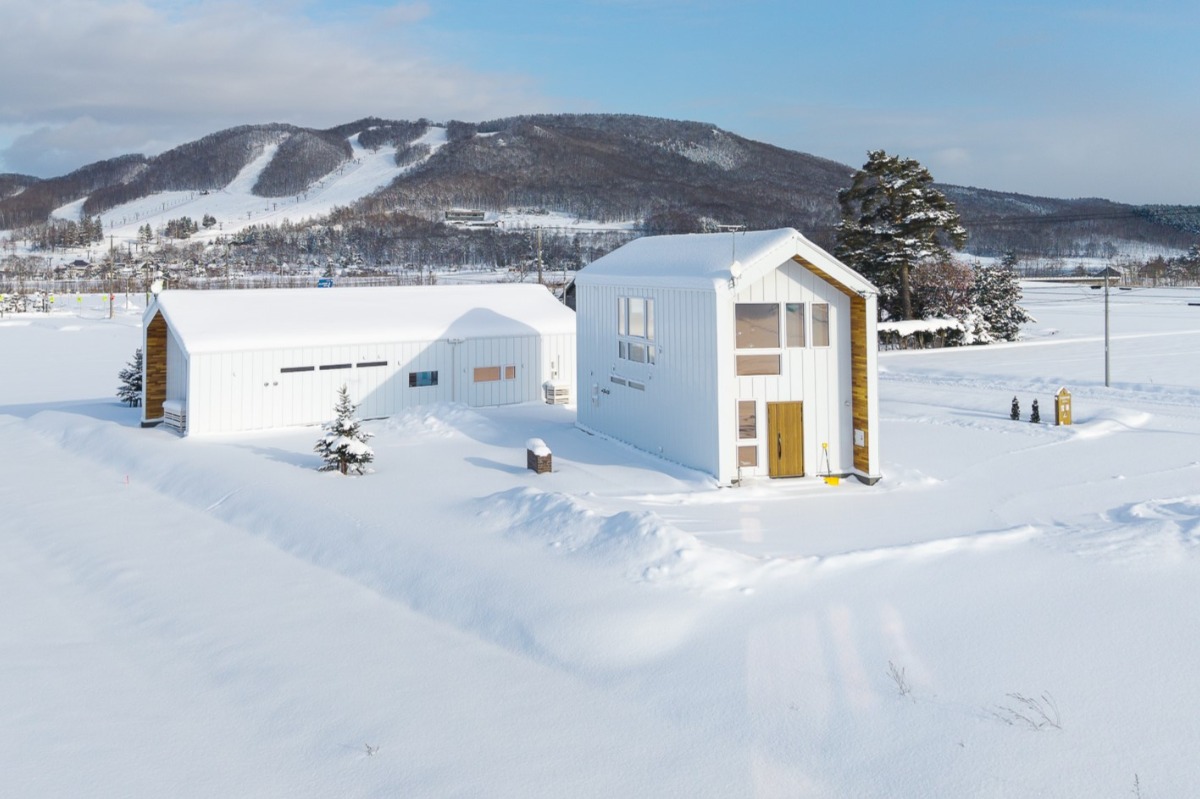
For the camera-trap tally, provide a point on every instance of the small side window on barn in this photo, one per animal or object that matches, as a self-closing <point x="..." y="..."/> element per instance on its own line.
<point x="327" y="366"/>
<point x="368" y="364"/>
<point x="820" y="312"/>
<point x="510" y="373"/>
<point x="422" y="379"/>
<point x="793" y="314"/>
<point x="487" y="374"/>
<point x="287" y="369"/>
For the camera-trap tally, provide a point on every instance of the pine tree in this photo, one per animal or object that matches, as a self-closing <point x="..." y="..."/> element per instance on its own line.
<point x="130" y="390"/>
<point x="1035" y="415"/>
<point x="344" y="444"/>
<point x="996" y="295"/>
<point x="893" y="220"/>
<point x="1015" y="413"/>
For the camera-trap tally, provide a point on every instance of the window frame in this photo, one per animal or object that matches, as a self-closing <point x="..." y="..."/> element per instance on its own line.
<point x="738" y="328"/>
<point x="635" y="331"/>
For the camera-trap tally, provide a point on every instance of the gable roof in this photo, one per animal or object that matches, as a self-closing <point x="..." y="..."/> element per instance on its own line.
<point x="248" y="319"/>
<point x="712" y="260"/>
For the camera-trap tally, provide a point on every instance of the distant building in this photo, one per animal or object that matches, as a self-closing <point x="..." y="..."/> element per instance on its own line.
<point x="464" y="215"/>
<point x="229" y="361"/>
<point x="737" y="354"/>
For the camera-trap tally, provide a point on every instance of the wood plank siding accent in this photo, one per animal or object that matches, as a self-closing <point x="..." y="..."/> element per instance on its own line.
<point x="858" y="363"/>
<point x="858" y="381"/>
<point x="156" y="367"/>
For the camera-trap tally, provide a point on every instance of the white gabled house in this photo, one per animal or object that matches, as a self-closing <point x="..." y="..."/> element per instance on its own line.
<point x="736" y="354"/>
<point x="229" y="361"/>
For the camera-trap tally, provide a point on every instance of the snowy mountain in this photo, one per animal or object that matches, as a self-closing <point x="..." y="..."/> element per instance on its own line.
<point x="575" y="170"/>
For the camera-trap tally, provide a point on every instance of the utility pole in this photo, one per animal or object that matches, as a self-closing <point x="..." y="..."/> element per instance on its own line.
<point x="1106" y="279"/>
<point x="539" y="254"/>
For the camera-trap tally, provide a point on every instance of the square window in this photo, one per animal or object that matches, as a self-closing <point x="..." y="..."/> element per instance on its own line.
<point x="757" y="325"/>
<point x="510" y="373"/>
<point x="748" y="456"/>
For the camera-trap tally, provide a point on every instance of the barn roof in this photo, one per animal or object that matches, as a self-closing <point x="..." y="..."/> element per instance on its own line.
<point x="712" y="260"/>
<point x="250" y="319"/>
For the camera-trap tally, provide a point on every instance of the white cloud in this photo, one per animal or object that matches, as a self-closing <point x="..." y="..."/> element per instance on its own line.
<point x="141" y="72"/>
<point x="1128" y="154"/>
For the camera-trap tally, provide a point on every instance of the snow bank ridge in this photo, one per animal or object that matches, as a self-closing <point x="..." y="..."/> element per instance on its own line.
<point x="649" y="549"/>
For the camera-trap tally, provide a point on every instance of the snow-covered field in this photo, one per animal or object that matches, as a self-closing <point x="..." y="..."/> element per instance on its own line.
<point x="1011" y="612"/>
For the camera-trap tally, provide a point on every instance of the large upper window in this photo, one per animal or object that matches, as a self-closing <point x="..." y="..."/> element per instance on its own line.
<point x="757" y="325"/>
<point x="635" y="329"/>
<point x="757" y="328"/>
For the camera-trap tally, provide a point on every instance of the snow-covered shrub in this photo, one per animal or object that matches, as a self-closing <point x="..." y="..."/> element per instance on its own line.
<point x="343" y="446"/>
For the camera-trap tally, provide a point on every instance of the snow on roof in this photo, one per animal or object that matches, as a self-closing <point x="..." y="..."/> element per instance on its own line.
<point x="710" y="260"/>
<point x="231" y="320"/>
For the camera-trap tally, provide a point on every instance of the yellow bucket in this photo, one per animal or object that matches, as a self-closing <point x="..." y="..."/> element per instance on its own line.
<point x="833" y="480"/>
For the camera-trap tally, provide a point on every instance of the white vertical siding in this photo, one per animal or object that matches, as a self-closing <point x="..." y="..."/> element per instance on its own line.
<point x="247" y="390"/>
<point x="820" y="377"/>
<point x="177" y="360"/>
<point x="675" y="415"/>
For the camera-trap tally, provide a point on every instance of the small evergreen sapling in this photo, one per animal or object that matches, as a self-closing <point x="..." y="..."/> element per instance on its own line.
<point x="130" y="390"/>
<point x="1034" y="415"/>
<point x="344" y="444"/>
<point x="1015" y="413"/>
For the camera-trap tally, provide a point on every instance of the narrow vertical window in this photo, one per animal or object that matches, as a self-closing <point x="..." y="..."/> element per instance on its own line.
<point x="747" y="419"/>
<point x="820" y="313"/>
<point x="622" y="316"/>
<point x="637" y="317"/>
<point x="794" y="322"/>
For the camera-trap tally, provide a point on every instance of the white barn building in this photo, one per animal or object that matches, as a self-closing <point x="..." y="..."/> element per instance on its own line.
<point x="229" y="361"/>
<point x="737" y="354"/>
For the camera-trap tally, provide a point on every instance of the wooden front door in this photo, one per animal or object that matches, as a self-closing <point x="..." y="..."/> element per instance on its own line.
<point x="785" y="438"/>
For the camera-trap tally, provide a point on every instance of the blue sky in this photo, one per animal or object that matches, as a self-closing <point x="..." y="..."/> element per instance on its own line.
<point x="1064" y="99"/>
